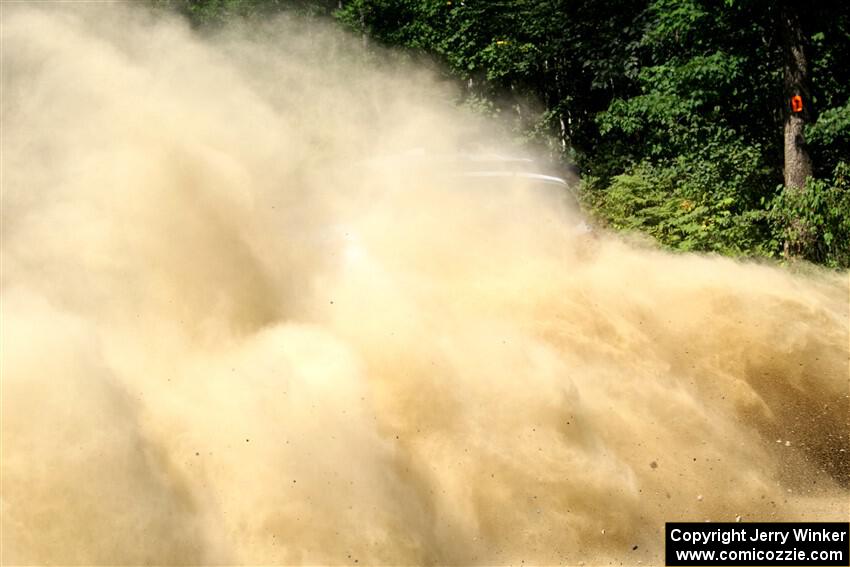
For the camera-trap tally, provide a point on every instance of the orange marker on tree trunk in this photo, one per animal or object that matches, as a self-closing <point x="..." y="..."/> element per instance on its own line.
<point x="796" y="103"/>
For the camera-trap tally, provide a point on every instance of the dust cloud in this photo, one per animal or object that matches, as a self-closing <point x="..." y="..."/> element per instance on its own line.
<point x="244" y="321"/>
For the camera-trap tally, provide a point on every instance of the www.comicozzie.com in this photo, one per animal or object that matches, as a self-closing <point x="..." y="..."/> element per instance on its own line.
<point x="758" y="544"/>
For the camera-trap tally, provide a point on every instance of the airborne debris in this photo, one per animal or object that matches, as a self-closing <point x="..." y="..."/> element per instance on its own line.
<point x="466" y="321"/>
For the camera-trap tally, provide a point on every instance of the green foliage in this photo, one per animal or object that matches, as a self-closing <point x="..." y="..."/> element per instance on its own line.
<point x="829" y="137"/>
<point x="693" y="158"/>
<point x="832" y="127"/>
<point x="816" y="222"/>
<point x="404" y="23"/>
<point x="685" y="205"/>
<point x="697" y="89"/>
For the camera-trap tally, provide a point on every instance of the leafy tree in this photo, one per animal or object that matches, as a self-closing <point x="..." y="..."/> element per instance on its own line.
<point x="705" y="128"/>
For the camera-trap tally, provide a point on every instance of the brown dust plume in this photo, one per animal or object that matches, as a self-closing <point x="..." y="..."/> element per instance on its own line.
<point x="245" y="321"/>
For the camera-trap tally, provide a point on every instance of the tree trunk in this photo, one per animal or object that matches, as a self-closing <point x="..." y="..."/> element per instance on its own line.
<point x="799" y="236"/>
<point x="798" y="165"/>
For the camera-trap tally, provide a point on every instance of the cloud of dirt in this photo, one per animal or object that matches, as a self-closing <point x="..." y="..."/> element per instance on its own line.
<point x="232" y="332"/>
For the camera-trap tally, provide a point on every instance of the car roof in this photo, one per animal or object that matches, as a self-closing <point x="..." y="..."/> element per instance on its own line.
<point x="492" y="165"/>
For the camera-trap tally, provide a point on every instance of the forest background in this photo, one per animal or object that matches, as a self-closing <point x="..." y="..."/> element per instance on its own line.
<point x="710" y="125"/>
